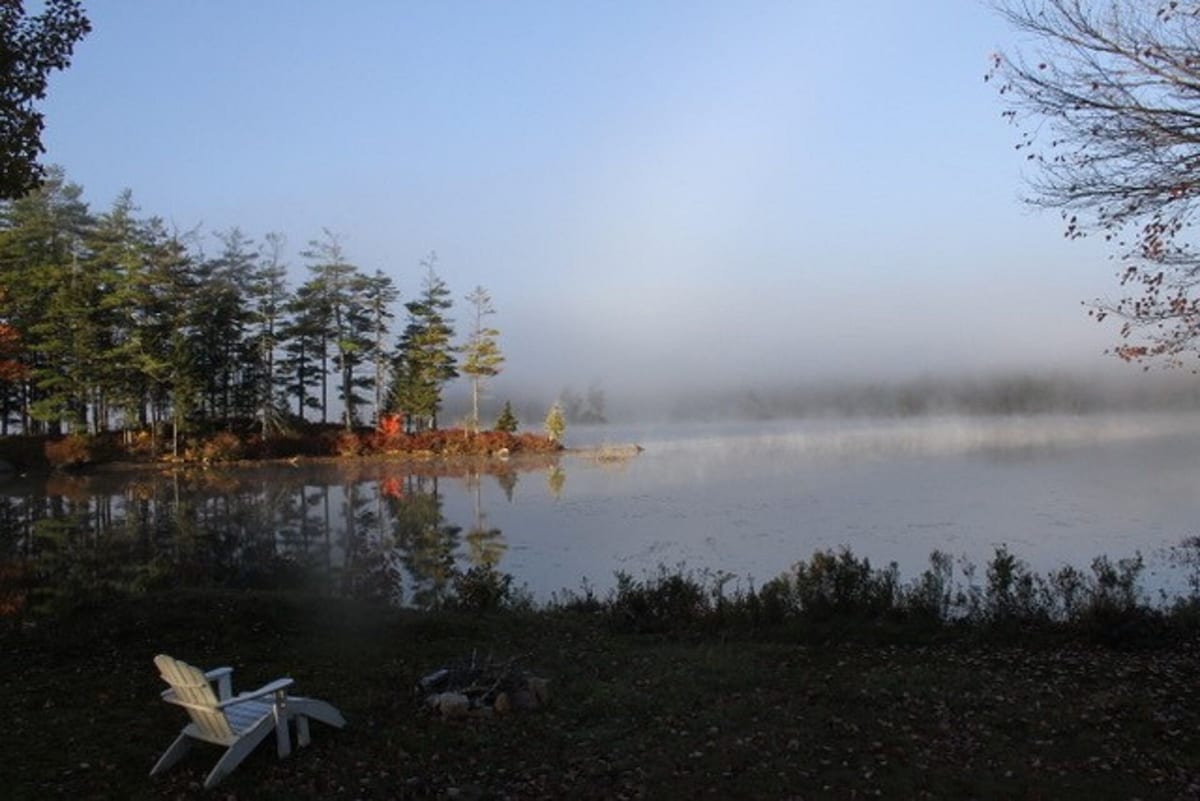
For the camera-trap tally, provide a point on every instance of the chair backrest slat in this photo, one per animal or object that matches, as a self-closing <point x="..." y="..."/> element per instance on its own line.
<point x="196" y="693"/>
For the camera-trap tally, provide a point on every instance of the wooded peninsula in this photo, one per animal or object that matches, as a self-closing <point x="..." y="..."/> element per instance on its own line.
<point x="122" y="337"/>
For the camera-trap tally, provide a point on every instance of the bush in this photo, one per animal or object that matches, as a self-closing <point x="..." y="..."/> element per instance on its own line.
<point x="487" y="443"/>
<point x="841" y="585"/>
<point x="1014" y="595"/>
<point x="1114" y="611"/>
<point x="73" y="450"/>
<point x="224" y="446"/>
<point x="325" y="440"/>
<point x="141" y="444"/>
<point x="534" y="443"/>
<point x="662" y="603"/>
<point x="774" y="603"/>
<point x="389" y="426"/>
<point x="385" y="439"/>
<point x="481" y="589"/>
<point x="347" y="443"/>
<point x="931" y="598"/>
<point x="429" y="441"/>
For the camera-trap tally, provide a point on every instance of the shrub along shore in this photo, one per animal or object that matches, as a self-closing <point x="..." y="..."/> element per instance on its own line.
<point x="835" y="680"/>
<point x="311" y="441"/>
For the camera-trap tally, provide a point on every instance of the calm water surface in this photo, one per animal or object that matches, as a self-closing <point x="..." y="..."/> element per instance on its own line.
<point x="746" y="499"/>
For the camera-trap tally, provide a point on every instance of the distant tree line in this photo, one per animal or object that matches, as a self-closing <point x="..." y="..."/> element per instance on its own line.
<point x="116" y="321"/>
<point x="577" y="408"/>
<point x="994" y="395"/>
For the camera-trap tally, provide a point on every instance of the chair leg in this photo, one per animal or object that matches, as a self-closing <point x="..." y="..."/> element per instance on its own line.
<point x="280" y="715"/>
<point x="172" y="755"/>
<point x="237" y="752"/>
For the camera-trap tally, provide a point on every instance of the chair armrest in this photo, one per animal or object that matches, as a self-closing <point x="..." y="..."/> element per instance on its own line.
<point x="267" y="689"/>
<point x="223" y="676"/>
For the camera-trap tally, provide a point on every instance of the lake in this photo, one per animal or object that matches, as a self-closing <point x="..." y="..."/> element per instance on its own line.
<point x="748" y="499"/>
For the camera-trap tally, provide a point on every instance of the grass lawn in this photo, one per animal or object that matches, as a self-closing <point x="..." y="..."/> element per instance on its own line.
<point x="745" y="715"/>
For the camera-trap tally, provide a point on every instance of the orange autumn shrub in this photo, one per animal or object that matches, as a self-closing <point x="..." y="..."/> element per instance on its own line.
<point x="223" y="446"/>
<point x="73" y="450"/>
<point x="347" y="443"/>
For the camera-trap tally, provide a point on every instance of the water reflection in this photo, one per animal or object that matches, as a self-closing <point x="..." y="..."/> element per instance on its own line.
<point x="748" y="501"/>
<point x="365" y="530"/>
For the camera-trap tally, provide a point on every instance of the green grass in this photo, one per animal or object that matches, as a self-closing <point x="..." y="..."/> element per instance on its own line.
<point x="751" y="713"/>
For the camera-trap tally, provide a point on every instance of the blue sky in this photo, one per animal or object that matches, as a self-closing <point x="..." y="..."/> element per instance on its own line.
<point x="659" y="195"/>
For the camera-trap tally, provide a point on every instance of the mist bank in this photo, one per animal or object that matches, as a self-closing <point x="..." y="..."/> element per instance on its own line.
<point x="1001" y="393"/>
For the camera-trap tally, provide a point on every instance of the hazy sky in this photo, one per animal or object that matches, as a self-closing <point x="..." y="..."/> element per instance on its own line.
<point x="757" y="191"/>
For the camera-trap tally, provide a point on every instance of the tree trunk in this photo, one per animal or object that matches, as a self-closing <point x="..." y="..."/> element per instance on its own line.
<point x="475" y="404"/>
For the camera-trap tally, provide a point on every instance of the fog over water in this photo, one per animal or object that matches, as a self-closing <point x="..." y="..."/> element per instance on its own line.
<point x="747" y="499"/>
<point x="751" y="499"/>
<point x="1117" y="388"/>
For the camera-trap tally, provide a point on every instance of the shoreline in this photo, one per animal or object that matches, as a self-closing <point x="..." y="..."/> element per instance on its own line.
<point x="24" y="456"/>
<point x="520" y="459"/>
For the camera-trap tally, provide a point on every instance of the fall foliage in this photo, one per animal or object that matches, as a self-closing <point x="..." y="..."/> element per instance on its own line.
<point x="1105" y="96"/>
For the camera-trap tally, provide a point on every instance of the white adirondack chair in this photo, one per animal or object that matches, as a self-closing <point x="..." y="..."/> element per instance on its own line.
<point x="238" y="722"/>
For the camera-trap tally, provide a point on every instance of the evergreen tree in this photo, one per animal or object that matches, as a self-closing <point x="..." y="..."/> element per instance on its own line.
<point x="379" y="294"/>
<point x="186" y="386"/>
<point x="220" y="323"/>
<point x="481" y="354"/>
<point x="163" y="340"/>
<point x="342" y="315"/>
<point x="52" y="301"/>
<point x="425" y="359"/>
<point x="555" y="423"/>
<point x="507" y="421"/>
<point x="269" y="297"/>
<point x="117" y="255"/>
<point x="304" y="337"/>
<point x="356" y="351"/>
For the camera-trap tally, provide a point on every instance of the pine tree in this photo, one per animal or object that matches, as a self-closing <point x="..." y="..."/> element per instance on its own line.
<point x="555" y="423"/>
<point x="163" y="340"/>
<point x="507" y="421"/>
<point x="304" y="337"/>
<point x="425" y="358"/>
<point x="379" y="295"/>
<point x="117" y="255"/>
<point x="355" y="352"/>
<point x="341" y="313"/>
<point x="220" y="323"/>
<point x="51" y="300"/>
<point x="481" y="354"/>
<point x="269" y="297"/>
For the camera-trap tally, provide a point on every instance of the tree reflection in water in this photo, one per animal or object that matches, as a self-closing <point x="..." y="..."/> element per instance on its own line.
<point x="485" y="546"/>
<point x="369" y="530"/>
